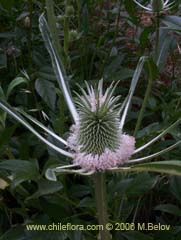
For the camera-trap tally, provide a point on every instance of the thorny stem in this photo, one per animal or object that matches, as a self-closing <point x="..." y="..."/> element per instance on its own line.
<point x="101" y="202"/>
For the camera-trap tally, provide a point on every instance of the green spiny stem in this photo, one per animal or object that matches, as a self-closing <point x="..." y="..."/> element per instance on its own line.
<point x="101" y="202"/>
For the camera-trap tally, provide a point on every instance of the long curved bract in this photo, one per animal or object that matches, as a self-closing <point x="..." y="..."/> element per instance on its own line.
<point x="134" y="81"/>
<point x="7" y="108"/>
<point x="46" y="34"/>
<point x="157" y="137"/>
<point x="39" y="124"/>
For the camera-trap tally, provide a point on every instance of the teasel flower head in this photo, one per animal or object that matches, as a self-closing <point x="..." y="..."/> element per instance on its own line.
<point x="96" y="139"/>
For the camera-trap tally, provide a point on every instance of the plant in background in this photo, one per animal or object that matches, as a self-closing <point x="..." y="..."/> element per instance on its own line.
<point x="97" y="143"/>
<point x="157" y="8"/>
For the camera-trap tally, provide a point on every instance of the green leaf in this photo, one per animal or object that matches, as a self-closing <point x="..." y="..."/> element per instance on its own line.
<point x="122" y="74"/>
<point x="151" y="68"/>
<point x="163" y="51"/>
<point x="132" y="11"/>
<point x="47" y="76"/>
<point x="22" y="170"/>
<point x="175" y="187"/>
<point x="2" y="95"/>
<point x="113" y="66"/>
<point x="151" y="128"/>
<point x="80" y="190"/>
<point x="17" y="81"/>
<point x="2" y="118"/>
<point x="86" y="202"/>
<point x="46" y="187"/>
<point x="173" y="22"/>
<point x="144" y="37"/>
<point x="136" y="187"/>
<point x="169" y="208"/>
<point x="6" y="134"/>
<point x="172" y="167"/>
<point x="39" y="59"/>
<point x="46" y="90"/>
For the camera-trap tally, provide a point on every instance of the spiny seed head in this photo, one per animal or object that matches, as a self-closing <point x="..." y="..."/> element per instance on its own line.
<point x="99" y="120"/>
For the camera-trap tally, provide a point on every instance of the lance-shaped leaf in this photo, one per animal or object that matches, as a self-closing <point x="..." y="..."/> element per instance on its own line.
<point x="134" y="81"/>
<point x="172" y="22"/>
<point x="7" y="108"/>
<point x="57" y="65"/>
<point x="22" y="170"/>
<point x="17" y="81"/>
<point x="169" y="167"/>
<point x="172" y="167"/>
